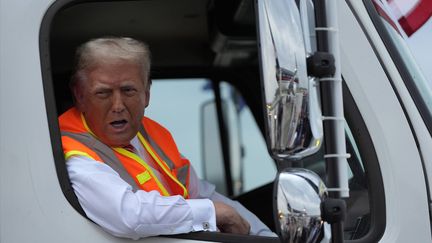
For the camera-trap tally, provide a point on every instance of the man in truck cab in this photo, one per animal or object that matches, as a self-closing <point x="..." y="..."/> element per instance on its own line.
<point x="125" y="168"/>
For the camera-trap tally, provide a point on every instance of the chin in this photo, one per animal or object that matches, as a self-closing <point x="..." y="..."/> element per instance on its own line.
<point x="117" y="142"/>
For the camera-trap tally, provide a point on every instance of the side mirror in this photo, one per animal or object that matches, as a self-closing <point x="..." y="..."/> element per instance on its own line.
<point x="299" y="195"/>
<point x="294" y="125"/>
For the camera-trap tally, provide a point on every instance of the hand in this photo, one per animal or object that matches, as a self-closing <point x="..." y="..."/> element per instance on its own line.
<point x="229" y="221"/>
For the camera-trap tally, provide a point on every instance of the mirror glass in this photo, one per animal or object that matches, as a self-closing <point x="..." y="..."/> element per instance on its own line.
<point x="294" y="125"/>
<point x="298" y="205"/>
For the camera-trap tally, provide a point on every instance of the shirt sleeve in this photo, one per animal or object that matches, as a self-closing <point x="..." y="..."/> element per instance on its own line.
<point x="110" y="202"/>
<point x="204" y="189"/>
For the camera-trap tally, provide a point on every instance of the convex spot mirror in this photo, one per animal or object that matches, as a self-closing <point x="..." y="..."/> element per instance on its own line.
<point x="294" y="125"/>
<point x="299" y="194"/>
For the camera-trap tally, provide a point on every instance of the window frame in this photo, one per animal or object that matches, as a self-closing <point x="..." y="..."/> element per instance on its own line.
<point x="50" y="102"/>
<point x="371" y="166"/>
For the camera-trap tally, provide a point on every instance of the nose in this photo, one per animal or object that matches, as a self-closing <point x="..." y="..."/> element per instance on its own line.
<point x="117" y="103"/>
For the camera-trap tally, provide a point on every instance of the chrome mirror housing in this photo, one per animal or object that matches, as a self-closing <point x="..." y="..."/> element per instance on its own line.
<point x="294" y="126"/>
<point x="300" y="193"/>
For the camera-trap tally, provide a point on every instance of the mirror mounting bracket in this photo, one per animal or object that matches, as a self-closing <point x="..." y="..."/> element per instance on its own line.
<point x="333" y="210"/>
<point x="321" y="64"/>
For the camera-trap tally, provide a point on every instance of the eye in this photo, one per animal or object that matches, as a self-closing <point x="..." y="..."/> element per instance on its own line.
<point x="129" y="91"/>
<point x="102" y="93"/>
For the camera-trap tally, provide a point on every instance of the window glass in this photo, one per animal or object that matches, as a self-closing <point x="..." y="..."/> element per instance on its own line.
<point x="258" y="167"/>
<point x="177" y="105"/>
<point x="405" y="27"/>
<point x="410" y="23"/>
<point x="420" y="80"/>
<point x="357" y="222"/>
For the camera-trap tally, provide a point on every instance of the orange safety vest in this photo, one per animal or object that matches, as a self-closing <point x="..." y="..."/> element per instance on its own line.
<point x="78" y="139"/>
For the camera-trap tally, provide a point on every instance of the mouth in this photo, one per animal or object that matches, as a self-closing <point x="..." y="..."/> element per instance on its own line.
<point x="119" y="124"/>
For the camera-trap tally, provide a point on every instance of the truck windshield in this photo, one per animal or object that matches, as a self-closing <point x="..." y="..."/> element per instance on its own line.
<point x="406" y="29"/>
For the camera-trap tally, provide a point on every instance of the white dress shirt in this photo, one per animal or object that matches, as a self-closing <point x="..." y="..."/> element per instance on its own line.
<point x="110" y="202"/>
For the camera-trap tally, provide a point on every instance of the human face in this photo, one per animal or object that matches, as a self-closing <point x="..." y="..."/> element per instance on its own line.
<point x="112" y="99"/>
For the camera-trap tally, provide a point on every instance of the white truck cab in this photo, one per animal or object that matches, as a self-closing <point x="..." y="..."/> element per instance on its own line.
<point x="267" y="98"/>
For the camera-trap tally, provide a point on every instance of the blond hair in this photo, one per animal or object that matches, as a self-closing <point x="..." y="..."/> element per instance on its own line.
<point x="107" y="50"/>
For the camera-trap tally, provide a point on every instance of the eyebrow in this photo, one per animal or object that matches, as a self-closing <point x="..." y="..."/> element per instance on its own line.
<point x="101" y="87"/>
<point x="124" y="84"/>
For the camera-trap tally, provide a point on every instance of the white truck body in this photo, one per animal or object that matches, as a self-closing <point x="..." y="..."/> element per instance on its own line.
<point x="33" y="207"/>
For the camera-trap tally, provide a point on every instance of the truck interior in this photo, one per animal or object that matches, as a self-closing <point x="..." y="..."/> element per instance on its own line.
<point x="207" y="39"/>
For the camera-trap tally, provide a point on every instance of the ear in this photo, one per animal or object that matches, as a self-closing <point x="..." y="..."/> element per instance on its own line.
<point x="147" y="97"/>
<point x="78" y="94"/>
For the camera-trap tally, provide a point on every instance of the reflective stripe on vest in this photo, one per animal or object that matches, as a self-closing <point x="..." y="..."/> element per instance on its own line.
<point x="108" y="157"/>
<point x="77" y="149"/>
<point x="105" y="153"/>
<point x="157" y="149"/>
<point x="182" y="174"/>
<point x="150" y="171"/>
<point x="163" y="163"/>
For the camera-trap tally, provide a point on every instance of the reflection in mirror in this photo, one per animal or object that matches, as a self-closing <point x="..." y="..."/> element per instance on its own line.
<point x="298" y="204"/>
<point x="292" y="101"/>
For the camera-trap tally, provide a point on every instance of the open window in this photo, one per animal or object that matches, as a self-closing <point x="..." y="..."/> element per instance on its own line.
<point x="210" y="40"/>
